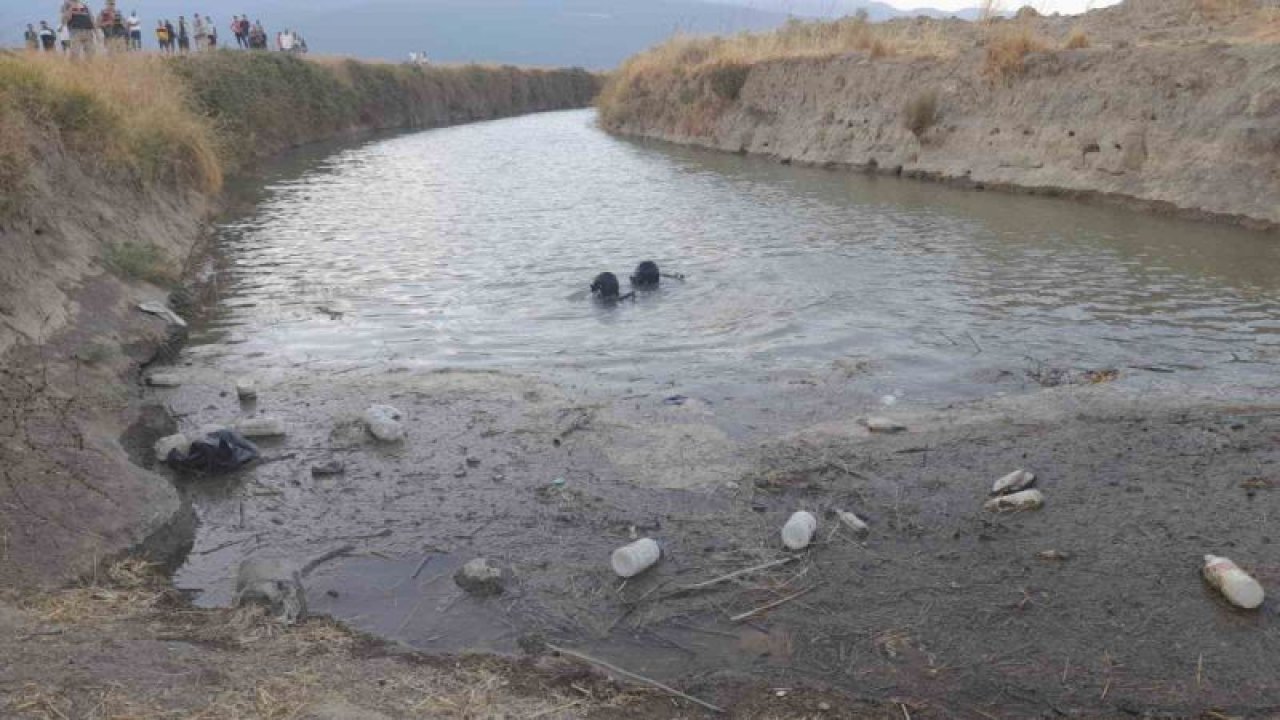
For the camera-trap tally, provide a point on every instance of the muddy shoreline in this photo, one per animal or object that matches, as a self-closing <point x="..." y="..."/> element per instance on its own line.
<point x="946" y="607"/>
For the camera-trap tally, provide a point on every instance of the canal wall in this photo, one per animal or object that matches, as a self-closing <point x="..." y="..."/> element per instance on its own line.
<point x="1161" y="106"/>
<point x="109" y="173"/>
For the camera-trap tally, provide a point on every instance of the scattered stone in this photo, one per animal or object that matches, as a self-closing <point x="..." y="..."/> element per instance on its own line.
<point x="473" y="462"/>
<point x="260" y="427"/>
<point x="799" y="530"/>
<point x="1025" y="500"/>
<point x="165" y="445"/>
<point x="1016" y="481"/>
<point x="333" y="467"/>
<point x="460" y="473"/>
<point x="384" y="423"/>
<point x="164" y="380"/>
<point x="246" y="390"/>
<point x="478" y="578"/>
<point x="853" y="523"/>
<point x="558" y="482"/>
<point x="499" y="477"/>
<point x="883" y="425"/>
<point x="824" y="706"/>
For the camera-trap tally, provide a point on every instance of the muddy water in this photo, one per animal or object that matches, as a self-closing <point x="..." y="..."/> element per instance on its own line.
<point x="445" y="273"/>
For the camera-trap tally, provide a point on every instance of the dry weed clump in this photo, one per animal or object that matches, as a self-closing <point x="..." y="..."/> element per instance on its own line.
<point x="123" y="115"/>
<point x="921" y="112"/>
<point x="1077" y="40"/>
<point x="126" y="589"/>
<point x="1006" y="52"/>
<point x="1220" y="8"/>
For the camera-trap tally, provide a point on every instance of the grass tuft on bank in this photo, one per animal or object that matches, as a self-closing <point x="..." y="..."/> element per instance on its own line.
<point x="125" y="118"/>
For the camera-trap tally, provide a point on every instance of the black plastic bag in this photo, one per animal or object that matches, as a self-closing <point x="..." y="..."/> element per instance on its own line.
<point x="221" y="451"/>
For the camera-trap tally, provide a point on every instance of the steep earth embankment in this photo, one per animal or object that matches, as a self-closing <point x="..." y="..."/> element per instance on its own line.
<point x="108" y="171"/>
<point x="1173" y="106"/>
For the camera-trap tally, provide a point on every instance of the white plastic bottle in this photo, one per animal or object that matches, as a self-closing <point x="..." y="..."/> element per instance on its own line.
<point x="855" y="524"/>
<point x="260" y="427"/>
<point x="246" y="390"/>
<point x="1234" y="583"/>
<point x="1025" y="500"/>
<point x="631" y="560"/>
<point x="799" y="530"/>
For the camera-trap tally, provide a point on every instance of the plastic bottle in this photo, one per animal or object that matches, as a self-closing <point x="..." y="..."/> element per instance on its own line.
<point x="1016" y="481"/>
<point x="855" y="524"/>
<point x="1234" y="583"/>
<point x="246" y="390"/>
<point x="799" y="530"/>
<point x="260" y="427"/>
<point x="631" y="560"/>
<point x="1025" y="500"/>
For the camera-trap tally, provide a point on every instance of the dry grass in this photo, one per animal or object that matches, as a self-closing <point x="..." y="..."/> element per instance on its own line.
<point x="1077" y="40"/>
<point x="126" y="589"/>
<point x="696" y="65"/>
<point x="1221" y="8"/>
<point x="123" y="115"/>
<point x="1006" y="52"/>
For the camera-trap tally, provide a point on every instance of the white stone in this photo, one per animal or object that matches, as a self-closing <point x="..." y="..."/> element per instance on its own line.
<point x="1016" y="481"/>
<point x="384" y="423"/>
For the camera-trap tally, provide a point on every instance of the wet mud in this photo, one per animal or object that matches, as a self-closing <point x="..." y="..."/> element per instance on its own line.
<point x="1092" y="604"/>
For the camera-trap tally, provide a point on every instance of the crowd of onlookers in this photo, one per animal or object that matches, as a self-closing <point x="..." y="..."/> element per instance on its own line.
<point x="81" y="32"/>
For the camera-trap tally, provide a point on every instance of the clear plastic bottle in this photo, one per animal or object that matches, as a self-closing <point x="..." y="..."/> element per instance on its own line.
<point x="799" y="530"/>
<point x="855" y="524"/>
<point x="260" y="427"/>
<point x="631" y="560"/>
<point x="1235" y="584"/>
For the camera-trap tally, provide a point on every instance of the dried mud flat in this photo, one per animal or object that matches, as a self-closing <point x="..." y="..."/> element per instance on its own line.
<point x="1090" y="607"/>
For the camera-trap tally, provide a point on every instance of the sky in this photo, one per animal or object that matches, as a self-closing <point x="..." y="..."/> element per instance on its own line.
<point x="1046" y="6"/>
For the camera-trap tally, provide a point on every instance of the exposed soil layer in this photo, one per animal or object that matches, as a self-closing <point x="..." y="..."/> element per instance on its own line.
<point x="1171" y="108"/>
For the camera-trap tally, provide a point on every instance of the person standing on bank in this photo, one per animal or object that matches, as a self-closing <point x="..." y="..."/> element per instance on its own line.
<point x="31" y="38"/>
<point x="134" y="25"/>
<point x="78" y="19"/>
<point x="48" y="38"/>
<point x="184" y="40"/>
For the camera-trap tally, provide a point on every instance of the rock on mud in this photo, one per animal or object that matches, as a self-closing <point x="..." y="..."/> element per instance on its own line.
<point x="333" y="467"/>
<point x="384" y="423"/>
<point x="164" y="380"/>
<point x="275" y="585"/>
<point x="478" y="578"/>
<point x="1016" y="481"/>
<point x="883" y="425"/>
<point x="1025" y="500"/>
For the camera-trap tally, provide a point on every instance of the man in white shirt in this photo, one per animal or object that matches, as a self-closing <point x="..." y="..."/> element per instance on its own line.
<point x="134" y="25"/>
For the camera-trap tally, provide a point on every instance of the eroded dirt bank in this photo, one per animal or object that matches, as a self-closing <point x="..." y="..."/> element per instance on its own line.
<point x="1168" y="106"/>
